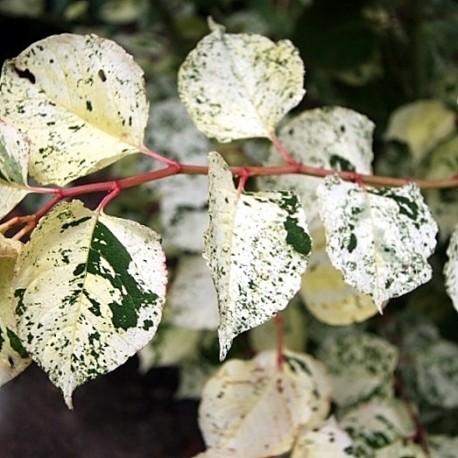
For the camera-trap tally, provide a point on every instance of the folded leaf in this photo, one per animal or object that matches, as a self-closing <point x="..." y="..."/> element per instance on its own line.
<point x="240" y="85"/>
<point x="379" y="239"/>
<point x="253" y="409"/>
<point x="257" y="247"/>
<point x="90" y="290"/>
<point x="79" y="99"/>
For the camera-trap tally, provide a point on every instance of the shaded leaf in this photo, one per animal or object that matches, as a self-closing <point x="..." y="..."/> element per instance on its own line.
<point x="379" y="239"/>
<point x="325" y="293"/>
<point x="239" y="85"/>
<point x="257" y="247"/>
<point x="263" y="415"/>
<point x="13" y="357"/>
<point x="359" y="364"/>
<point x="89" y="290"/>
<point x="79" y="99"/>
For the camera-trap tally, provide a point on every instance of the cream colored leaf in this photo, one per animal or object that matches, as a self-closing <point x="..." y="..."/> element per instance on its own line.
<point x="13" y="357"/>
<point x="10" y="196"/>
<point x="451" y="268"/>
<point x="325" y="293"/>
<point x="379" y="239"/>
<point x="257" y="248"/>
<point x="239" y="85"/>
<point x="402" y="448"/>
<point x="79" y="99"/>
<point x="253" y="409"/>
<point x="330" y="440"/>
<point x="192" y="296"/>
<point x="89" y="290"/>
<point x="422" y="125"/>
<point x="333" y="138"/>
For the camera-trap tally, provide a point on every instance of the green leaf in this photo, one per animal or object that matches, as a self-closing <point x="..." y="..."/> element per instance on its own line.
<point x="257" y="247"/>
<point x="264" y="414"/>
<point x="359" y="364"/>
<point x="379" y="239"/>
<point x="89" y="290"/>
<point x="451" y="268"/>
<point x="79" y="99"/>
<point x="332" y="138"/>
<point x="327" y="441"/>
<point x="238" y="85"/>
<point x="376" y="425"/>
<point x="13" y="357"/>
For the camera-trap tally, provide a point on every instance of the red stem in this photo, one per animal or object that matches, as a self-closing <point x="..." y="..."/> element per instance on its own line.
<point x="280" y="341"/>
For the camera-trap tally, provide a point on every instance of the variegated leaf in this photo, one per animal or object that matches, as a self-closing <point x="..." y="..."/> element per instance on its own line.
<point x="379" y="239"/>
<point x="239" y="85"/>
<point x="257" y="247"/>
<point x="90" y="290"/>
<point x="79" y="99"/>
<point x="451" y="268"/>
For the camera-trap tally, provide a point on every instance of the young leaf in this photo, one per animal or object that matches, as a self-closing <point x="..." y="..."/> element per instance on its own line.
<point x="331" y="137"/>
<point x="253" y="409"/>
<point x="451" y="268"/>
<point x="13" y="357"/>
<point x="80" y="100"/>
<point x="14" y="157"/>
<point x="238" y="85"/>
<point x="379" y="239"/>
<point x="89" y="290"/>
<point x="327" y="441"/>
<point x="325" y="293"/>
<point x="257" y="247"/>
<point x="359" y="364"/>
<point x="374" y="426"/>
<point x="192" y="296"/>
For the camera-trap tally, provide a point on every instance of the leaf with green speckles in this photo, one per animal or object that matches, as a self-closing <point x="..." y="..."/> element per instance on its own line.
<point x="13" y="357"/>
<point x="81" y="102"/>
<point x="14" y="157"/>
<point x="379" y="239"/>
<point x="332" y="138"/>
<point x="360" y="365"/>
<point x="330" y="440"/>
<point x="264" y="414"/>
<point x="89" y="293"/>
<point x="257" y="247"/>
<point x="239" y="85"/>
<point x="451" y="268"/>
<point x="376" y="425"/>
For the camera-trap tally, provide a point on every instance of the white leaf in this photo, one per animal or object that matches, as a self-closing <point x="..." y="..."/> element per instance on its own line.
<point x="441" y="446"/>
<point x="192" y="296"/>
<point x="373" y="426"/>
<point x="325" y="293"/>
<point x="262" y="416"/>
<point x="379" y="239"/>
<point x="328" y="441"/>
<point x="193" y="377"/>
<point x="333" y="138"/>
<point x="359" y="365"/>
<point x="257" y="247"/>
<point x="451" y="268"/>
<point x="238" y="85"/>
<point x="79" y="99"/>
<point x="422" y="125"/>
<point x="90" y="290"/>
<point x="13" y="357"/>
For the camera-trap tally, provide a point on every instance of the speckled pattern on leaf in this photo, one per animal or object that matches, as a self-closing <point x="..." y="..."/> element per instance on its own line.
<point x="451" y="268"/>
<point x="379" y="239"/>
<point x="240" y="85"/>
<point x="79" y="99"/>
<point x="89" y="293"/>
<point x="257" y="247"/>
